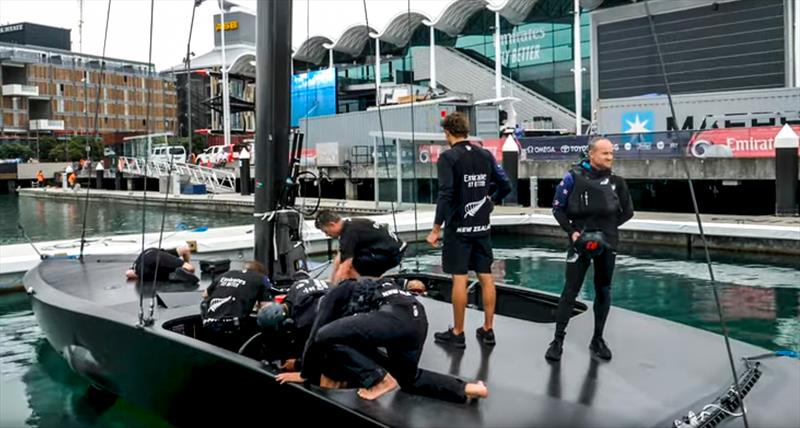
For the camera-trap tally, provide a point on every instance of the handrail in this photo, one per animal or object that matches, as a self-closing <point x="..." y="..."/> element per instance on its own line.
<point x="216" y="180"/>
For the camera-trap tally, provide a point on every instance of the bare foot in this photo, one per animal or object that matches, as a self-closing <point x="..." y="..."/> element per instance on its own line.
<point x="326" y="382"/>
<point x="476" y="390"/>
<point x="387" y="384"/>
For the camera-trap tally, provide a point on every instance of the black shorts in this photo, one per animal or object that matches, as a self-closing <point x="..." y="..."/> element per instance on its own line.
<point x="461" y="254"/>
<point x="372" y="263"/>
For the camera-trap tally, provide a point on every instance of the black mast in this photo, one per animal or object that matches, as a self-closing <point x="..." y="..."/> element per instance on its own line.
<point x="273" y="80"/>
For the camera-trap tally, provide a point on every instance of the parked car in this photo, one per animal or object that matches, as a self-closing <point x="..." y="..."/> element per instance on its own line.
<point x="164" y="153"/>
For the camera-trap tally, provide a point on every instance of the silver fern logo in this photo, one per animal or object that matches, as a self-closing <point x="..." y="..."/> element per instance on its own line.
<point x="216" y="303"/>
<point x="472" y="208"/>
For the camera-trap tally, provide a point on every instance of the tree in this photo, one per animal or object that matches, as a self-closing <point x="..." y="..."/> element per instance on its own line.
<point x="76" y="149"/>
<point x="16" y="151"/>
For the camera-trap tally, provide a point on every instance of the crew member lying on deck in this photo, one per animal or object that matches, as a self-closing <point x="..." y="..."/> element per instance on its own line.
<point x="228" y="301"/>
<point x="365" y="247"/>
<point x="354" y="320"/>
<point x="163" y="265"/>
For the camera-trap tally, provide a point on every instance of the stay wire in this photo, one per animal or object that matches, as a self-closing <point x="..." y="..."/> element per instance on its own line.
<point x="96" y="127"/>
<point x="383" y="136"/>
<point x="414" y="187"/>
<point x="142" y="320"/>
<point x="698" y="219"/>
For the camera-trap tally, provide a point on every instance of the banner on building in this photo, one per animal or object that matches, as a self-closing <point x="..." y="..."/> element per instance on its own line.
<point x="757" y="142"/>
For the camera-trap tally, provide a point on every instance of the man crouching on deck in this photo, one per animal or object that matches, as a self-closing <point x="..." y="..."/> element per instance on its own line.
<point x="355" y="319"/>
<point x="365" y="247"/>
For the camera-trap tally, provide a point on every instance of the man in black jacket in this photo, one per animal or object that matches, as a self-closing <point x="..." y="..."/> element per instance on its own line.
<point x="463" y="206"/>
<point x="590" y="204"/>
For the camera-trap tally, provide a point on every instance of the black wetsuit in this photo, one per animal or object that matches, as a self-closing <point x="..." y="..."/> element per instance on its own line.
<point x="373" y="248"/>
<point x="356" y="318"/>
<point x="166" y="260"/>
<point x="465" y="174"/>
<point x="590" y="200"/>
<point x="231" y="298"/>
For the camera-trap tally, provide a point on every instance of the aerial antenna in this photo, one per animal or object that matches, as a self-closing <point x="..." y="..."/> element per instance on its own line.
<point x="80" y="27"/>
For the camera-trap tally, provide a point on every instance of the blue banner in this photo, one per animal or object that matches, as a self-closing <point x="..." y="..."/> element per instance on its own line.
<point x="626" y="146"/>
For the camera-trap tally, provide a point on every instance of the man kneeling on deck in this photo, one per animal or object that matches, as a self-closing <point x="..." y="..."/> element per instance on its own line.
<point x="228" y="301"/>
<point x="354" y="320"/>
<point x="365" y="247"/>
<point x="293" y="316"/>
<point x="163" y="265"/>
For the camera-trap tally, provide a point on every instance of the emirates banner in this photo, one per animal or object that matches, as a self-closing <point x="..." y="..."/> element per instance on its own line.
<point x="736" y="142"/>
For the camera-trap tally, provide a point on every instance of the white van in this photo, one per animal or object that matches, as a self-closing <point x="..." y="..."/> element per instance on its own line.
<point x="164" y="153"/>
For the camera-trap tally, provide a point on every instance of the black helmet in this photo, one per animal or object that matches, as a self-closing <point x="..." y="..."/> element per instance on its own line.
<point x="272" y="316"/>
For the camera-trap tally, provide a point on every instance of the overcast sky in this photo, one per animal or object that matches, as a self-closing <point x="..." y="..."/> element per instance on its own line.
<point x="130" y="21"/>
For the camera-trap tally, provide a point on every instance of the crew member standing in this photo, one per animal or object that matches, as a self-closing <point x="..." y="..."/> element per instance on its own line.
<point x="464" y="204"/>
<point x="590" y="204"/>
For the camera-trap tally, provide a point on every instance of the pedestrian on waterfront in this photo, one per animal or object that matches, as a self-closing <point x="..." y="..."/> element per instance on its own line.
<point x="40" y="178"/>
<point x="366" y="248"/>
<point x="465" y="173"/>
<point x="590" y="204"/>
<point x="72" y="178"/>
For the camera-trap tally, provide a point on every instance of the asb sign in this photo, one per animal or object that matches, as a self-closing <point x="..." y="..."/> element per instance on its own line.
<point x="229" y="25"/>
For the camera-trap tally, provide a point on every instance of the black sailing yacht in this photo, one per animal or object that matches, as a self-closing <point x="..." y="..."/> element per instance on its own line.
<point x="667" y="374"/>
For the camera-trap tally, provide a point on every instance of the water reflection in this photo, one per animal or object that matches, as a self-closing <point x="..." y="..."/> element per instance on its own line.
<point x="761" y="301"/>
<point x="47" y="220"/>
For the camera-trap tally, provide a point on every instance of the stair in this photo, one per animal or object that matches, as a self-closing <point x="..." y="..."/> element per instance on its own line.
<point x="460" y="73"/>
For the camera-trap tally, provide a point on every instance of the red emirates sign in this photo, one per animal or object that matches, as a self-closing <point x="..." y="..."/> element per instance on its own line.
<point x="758" y="142"/>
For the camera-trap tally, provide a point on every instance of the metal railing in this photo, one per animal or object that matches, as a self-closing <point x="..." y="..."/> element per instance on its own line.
<point x="216" y="180"/>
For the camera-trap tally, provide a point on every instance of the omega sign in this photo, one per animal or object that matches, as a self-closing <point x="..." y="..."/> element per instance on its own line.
<point x="229" y="25"/>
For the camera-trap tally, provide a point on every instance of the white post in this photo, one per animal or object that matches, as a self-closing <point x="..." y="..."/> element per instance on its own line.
<point x="433" y="58"/>
<point x="577" y="66"/>
<point x="498" y="76"/>
<point x="330" y="58"/>
<point x="377" y="71"/>
<point x="226" y="101"/>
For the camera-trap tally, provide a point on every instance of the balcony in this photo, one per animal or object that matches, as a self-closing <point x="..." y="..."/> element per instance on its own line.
<point x="15" y="90"/>
<point x="46" y="125"/>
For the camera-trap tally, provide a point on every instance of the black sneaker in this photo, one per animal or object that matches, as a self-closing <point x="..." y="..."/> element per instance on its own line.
<point x="600" y="349"/>
<point x="554" y="351"/>
<point x="485" y="337"/>
<point x="447" y="337"/>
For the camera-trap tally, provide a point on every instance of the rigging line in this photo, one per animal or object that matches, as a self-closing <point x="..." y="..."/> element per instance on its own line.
<point x="415" y="186"/>
<point x="380" y="124"/>
<point x="146" y="160"/>
<point x="698" y="219"/>
<point x="298" y="184"/>
<point x="96" y="128"/>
